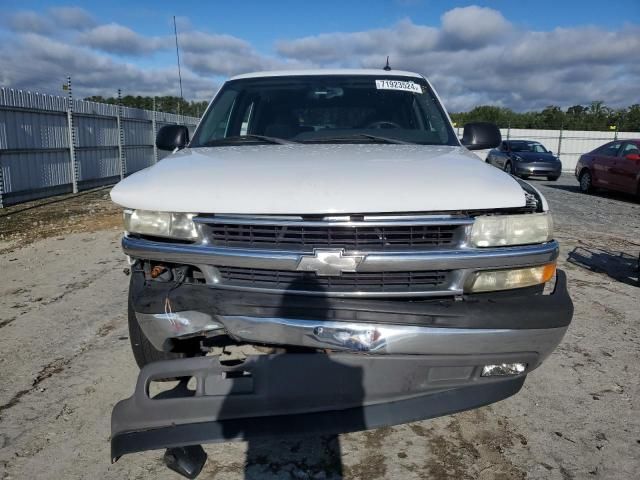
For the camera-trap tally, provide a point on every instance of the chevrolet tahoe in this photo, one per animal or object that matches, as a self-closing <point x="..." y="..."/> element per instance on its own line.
<point x="332" y="222"/>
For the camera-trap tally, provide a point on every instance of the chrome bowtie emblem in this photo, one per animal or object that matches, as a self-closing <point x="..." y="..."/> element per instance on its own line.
<point x="329" y="263"/>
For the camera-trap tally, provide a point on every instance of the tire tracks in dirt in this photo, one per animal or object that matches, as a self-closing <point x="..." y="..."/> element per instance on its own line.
<point x="59" y="364"/>
<point x="52" y="368"/>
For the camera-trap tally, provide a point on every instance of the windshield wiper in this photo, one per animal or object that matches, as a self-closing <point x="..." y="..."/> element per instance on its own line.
<point x="386" y="139"/>
<point x="241" y="138"/>
<point x="360" y="135"/>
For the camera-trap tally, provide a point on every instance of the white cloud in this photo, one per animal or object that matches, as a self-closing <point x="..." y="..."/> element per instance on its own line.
<point x="348" y="48"/>
<point x="475" y="56"/>
<point x="74" y="18"/>
<point x="92" y="73"/>
<point x="28" y="21"/>
<point x="201" y="42"/>
<point x="472" y="27"/>
<point x="121" y="40"/>
<point x="478" y="57"/>
<point x="225" y="55"/>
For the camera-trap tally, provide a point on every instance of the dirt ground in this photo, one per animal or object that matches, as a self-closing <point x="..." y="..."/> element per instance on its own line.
<point x="66" y="360"/>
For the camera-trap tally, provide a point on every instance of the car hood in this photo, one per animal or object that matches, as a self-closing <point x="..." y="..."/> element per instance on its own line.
<point x="536" y="156"/>
<point x="316" y="179"/>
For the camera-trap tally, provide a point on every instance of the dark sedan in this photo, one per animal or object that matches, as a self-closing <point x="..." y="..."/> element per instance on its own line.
<point x="525" y="158"/>
<point x="614" y="166"/>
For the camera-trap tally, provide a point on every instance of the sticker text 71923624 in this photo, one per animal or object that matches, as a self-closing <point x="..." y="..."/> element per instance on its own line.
<point x="398" y="85"/>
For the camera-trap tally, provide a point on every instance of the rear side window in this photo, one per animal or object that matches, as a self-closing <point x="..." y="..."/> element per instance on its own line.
<point x="629" y="148"/>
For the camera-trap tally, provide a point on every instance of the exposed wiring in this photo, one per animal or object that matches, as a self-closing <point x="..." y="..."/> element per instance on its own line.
<point x="180" y="275"/>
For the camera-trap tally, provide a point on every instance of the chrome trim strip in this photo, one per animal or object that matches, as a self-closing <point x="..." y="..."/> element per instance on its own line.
<point x="390" y="339"/>
<point x="368" y="221"/>
<point x="194" y="254"/>
<point x="454" y="289"/>
<point x="467" y="258"/>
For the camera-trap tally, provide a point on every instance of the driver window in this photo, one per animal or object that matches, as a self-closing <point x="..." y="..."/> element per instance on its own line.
<point x="610" y="150"/>
<point x="215" y="123"/>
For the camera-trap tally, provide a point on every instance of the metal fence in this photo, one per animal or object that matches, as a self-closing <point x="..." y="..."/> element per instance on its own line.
<point x="568" y="145"/>
<point x="51" y="144"/>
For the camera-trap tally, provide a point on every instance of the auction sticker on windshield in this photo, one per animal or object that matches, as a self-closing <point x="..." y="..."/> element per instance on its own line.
<point x="398" y="85"/>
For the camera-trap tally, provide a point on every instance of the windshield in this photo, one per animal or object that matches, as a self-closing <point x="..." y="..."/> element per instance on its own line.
<point x="325" y="109"/>
<point x="528" y="147"/>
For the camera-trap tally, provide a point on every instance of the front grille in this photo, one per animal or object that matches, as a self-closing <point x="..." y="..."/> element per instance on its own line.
<point x="285" y="237"/>
<point x="412" y="281"/>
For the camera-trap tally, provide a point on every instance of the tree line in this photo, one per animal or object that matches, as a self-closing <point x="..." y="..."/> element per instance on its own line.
<point x="596" y="116"/>
<point x="168" y="104"/>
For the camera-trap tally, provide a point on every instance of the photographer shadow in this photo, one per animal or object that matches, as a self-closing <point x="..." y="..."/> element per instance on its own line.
<point x="301" y="445"/>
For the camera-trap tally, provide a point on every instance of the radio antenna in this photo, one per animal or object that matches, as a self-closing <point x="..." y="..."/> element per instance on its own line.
<point x="387" y="68"/>
<point x="175" y="32"/>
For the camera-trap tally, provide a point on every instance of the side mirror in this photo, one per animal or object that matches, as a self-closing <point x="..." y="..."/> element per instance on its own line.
<point x="481" y="135"/>
<point x="633" y="156"/>
<point x="550" y="152"/>
<point x="171" y="137"/>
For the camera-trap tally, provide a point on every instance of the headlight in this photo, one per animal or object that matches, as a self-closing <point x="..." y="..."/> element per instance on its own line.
<point x="491" y="280"/>
<point x="160" y="224"/>
<point x="502" y="230"/>
<point x="518" y="158"/>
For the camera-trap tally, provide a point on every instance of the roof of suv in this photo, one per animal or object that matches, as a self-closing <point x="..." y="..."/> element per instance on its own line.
<point x="338" y="71"/>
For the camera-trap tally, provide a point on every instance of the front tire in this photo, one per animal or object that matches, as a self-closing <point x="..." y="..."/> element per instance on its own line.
<point x="508" y="168"/>
<point x="586" y="182"/>
<point x="553" y="178"/>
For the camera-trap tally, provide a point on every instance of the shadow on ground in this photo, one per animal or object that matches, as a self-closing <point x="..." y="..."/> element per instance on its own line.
<point x="609" y="194"/>
<point x="313" y="457"/>
<point x="281" y="446"/>
<point x="307" y="455"/>
<point x="619" y="266"/>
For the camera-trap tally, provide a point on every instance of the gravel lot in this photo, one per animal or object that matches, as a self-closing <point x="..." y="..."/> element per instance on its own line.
<point x="66" y="360"/>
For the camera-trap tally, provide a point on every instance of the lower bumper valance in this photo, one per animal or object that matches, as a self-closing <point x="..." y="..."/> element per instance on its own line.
<point x="289" y="394"/>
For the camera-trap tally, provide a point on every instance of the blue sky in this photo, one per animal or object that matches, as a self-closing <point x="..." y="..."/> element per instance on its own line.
<point x="262" y="22"/>
<point x="517" y="54"/>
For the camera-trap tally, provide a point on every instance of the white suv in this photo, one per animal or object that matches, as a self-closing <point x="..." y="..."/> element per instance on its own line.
<point x="334" y="220"/>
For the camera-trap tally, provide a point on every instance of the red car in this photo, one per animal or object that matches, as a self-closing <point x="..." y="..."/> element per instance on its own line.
<point x="614" y="166"/>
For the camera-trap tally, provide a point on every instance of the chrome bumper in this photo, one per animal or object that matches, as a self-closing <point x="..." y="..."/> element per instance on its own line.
<point x="532" y="168"/>
<point x="161" y="328"/>
<point x="391" y="339"/>
<point x="352" y="336"/>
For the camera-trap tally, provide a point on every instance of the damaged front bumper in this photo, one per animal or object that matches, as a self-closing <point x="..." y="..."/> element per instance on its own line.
<point x="496" y="321"/>
<point x="354" y="336"/>
<point x="376" y="363"/>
